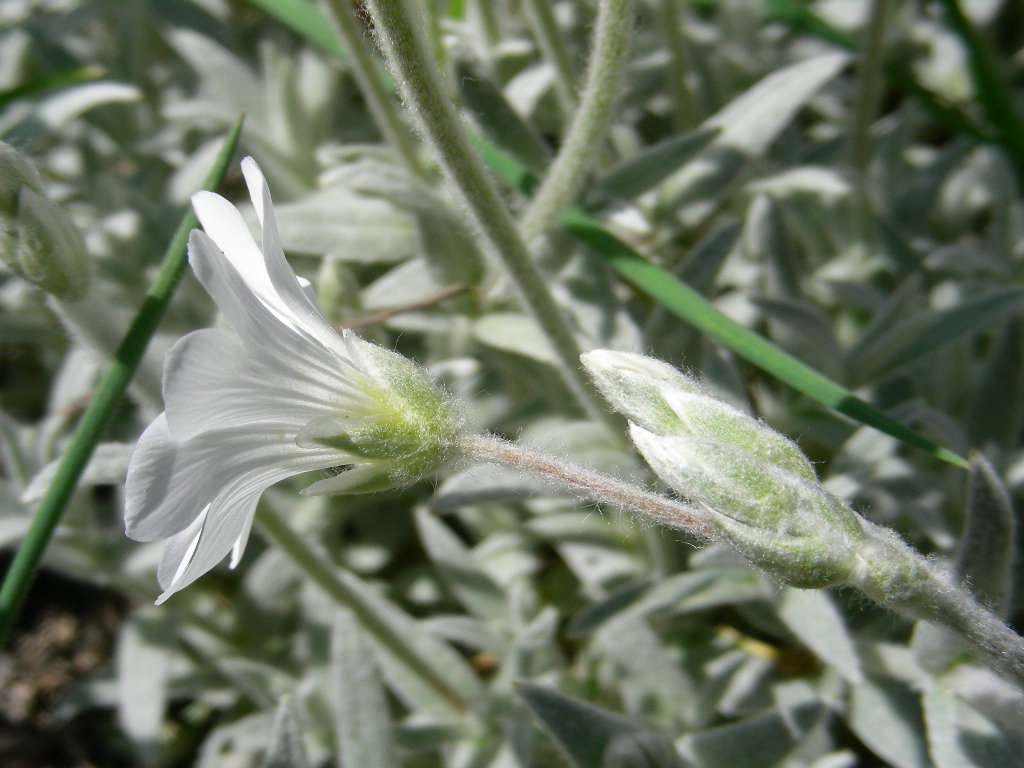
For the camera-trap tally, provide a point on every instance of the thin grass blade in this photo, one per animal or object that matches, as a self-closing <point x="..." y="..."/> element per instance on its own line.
<point x="108" y="396"/>
<point x="306" y="20"/>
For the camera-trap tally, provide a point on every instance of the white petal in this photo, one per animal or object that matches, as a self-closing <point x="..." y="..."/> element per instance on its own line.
<point x="226" y="525"/>
<point x="238" y="549"/>
<point x="246" y="310"/>
<point x="192" y="553"/>
<point x="293" y="291"/>
<point x="163" y="493"/>
<point x="226" y="227"/>
<point x="170" y="482"/>
<point x="212" y="382"/>
<point x="265" y="335"/>
<point x="178" y="553"/>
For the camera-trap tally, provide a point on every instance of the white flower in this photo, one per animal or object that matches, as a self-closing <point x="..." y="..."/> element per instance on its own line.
<point x="280" y="394"/>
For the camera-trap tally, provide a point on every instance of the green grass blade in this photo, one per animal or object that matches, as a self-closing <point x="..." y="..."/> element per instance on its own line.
<point x="108" y="396"/>
<point x="686" y="303"/>
<point x="996" y="100"/>
<point x="306" y="20"/>
<point x="40" y="85"/>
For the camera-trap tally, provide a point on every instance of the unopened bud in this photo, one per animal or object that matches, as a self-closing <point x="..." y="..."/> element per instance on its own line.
<point x="37" y="239"/>
<point x="756" y="486"/>
<point x="786" y="524"/>
<point x="666" y="401"/>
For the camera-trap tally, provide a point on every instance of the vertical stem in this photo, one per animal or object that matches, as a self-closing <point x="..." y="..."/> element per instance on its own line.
<point x="869" y="92"/>
<point x="541" y="17"/>
<point x="489" y="21"/>
<point x="560" y="185"/>
<point x="682" y="100"/>
<point x="109" y="394"/>
<point x="322" y="573"/>
<point x="377" y="94"/>
<point x="420" y="82"/>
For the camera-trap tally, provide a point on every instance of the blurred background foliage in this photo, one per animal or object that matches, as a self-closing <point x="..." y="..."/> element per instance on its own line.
<point x="841" y="178"/>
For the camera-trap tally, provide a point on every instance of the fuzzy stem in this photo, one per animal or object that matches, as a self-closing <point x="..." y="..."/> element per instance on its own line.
<point x="682" y="100"/>
<point x="891" y="573"/>
<point x="488" y="21"/>
<point x="377" y="94"/>
<point x="316" y="566"/>
<point x="594" y="485"/>
<point x="562" y="182"/>
<point x="541" y="17"/>
<point x="422" y="88"/>
<point x="869" y="90"/>
<point x="951" y="605"/>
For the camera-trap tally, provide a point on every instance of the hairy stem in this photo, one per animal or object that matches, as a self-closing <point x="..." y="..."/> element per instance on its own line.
<point x="541" y="17"/>
<point x="562" y="182"/>
<point x="891" y="573"/>
<point x="682" y="100"/>
<point x="951" y="605"/>
<point x="371" y="84"/>
<point x="593" y="485"/>
<point x="420" y="82"/>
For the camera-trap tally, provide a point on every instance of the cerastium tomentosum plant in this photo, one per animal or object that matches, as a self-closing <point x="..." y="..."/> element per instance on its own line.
<point x="284" y="394"/>
<point x="281" y="395"/>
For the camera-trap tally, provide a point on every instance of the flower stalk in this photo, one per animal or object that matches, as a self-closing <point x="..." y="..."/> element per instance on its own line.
<point x="371" y="84"/>
<point x="541" y="17"/>
<point x="595" y="486"/>
<point x="589" y="124"/>
<point x="893" y="574"/>
<point x="421" y="85"/>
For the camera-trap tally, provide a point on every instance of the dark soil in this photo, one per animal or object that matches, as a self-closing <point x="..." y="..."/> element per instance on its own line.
<point x="65" y="633"/>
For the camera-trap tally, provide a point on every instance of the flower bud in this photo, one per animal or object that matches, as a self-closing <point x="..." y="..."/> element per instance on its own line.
<point x="786" y="524"/>
<point x="37" y="239"/>
<point x="665" y="401"/>
<point x="635" y="386"/>
<point x="755" y="485"/>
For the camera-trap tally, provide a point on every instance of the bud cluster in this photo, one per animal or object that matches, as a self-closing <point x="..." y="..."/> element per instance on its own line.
<point x="755" y="485"/>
